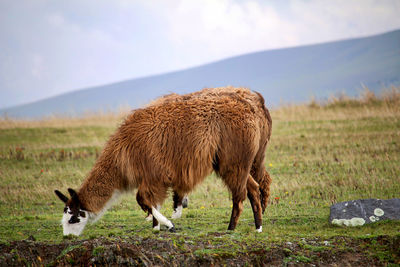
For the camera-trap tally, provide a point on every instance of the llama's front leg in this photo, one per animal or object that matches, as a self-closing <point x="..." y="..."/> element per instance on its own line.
<point x="185" y="201"/>
<point x="145" y="199"/>
<point x="157" y="216"/>
<point x="156" y="224"/>
<point x="149" y="217"/>
<point x="178" y="205"/>
<point x="146" y="207"/>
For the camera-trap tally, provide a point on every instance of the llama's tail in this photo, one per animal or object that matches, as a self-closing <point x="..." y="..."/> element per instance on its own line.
<point x="264" y="184"/>
<point x="266" y="113"/>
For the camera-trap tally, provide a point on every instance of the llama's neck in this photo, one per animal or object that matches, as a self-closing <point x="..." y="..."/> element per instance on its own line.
<point x="101" y="188"/>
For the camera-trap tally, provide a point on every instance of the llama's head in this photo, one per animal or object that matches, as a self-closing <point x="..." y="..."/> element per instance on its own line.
<point x="75" y="217"/>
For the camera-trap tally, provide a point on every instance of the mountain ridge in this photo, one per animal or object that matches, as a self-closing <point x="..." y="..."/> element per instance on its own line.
<point x="290" y="74"/>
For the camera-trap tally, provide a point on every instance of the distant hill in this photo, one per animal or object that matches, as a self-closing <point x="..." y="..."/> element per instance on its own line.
<point x="282" y="75"/>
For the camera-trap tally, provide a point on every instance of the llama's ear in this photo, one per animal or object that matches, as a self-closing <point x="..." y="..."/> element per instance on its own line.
<point x="61" y="196"/>
<point x="73" y="193"/>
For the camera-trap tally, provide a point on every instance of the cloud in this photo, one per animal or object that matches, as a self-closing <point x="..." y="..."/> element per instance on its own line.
<point x="320" y="21"/>
<point x="50" y="50"/>
<point x="217" y="29"/>
<point x="56" y="20"/>
<point x="50" y="47"/>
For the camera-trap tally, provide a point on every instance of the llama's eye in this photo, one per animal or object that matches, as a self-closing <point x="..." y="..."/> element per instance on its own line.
<point x="66" y="209"/>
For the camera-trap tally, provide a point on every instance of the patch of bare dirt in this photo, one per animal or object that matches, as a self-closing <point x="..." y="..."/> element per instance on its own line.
<point x="341" y="251"/>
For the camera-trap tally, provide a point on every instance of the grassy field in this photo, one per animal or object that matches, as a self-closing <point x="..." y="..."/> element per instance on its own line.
<point x="319" y="154"/>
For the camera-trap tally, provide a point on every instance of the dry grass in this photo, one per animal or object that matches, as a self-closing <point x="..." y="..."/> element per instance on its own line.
<point x="367" y="104"/>
<point x="88" y="119"/>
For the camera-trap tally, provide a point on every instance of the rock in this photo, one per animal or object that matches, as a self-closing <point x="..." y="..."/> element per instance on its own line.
<point x="362" y="211"/>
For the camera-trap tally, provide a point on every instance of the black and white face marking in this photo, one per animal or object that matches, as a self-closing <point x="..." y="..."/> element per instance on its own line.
<point x="74" y="222"/>
<point x="74" y="218"/>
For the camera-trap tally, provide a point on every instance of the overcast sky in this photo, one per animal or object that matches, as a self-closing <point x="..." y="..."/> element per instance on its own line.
<point x="50" y="47"/>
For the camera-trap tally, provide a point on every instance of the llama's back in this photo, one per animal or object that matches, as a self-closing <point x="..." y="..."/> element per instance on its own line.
<point x="178" y="137"/>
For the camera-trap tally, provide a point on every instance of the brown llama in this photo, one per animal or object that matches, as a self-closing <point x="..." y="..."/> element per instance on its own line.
<point x="175" y="143"/>
<point x="264" y="180"/>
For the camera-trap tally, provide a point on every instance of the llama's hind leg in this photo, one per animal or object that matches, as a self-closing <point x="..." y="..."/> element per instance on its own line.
<point x="261" y="176"/>
<point x="237" y="186"/>
<point x="254" y="197"/>
<point x="237" y="208"/>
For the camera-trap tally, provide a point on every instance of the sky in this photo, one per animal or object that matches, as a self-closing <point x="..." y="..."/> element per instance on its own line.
<point x="49" y="47"/>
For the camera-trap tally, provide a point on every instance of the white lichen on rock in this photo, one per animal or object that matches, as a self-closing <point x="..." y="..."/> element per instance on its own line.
<point x="373" y="218"/>
<point x="349" y="222"/>
<point x="378" y="212"/>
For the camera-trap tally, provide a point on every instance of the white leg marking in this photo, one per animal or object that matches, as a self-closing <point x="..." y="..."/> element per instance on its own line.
<point x="177" y="213"/>
<point x="150" y="217"/>
<point x="161" y="218"/>
<point x="259" y="230"/>
<point x="157" y="227"/>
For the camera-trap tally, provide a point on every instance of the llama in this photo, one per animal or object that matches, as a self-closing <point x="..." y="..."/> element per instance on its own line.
<point x="175" y="143"/>
<point x="264" y="180"/>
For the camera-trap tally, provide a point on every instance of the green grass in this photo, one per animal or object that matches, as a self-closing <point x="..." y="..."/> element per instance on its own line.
<point x="341" y="153"/>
